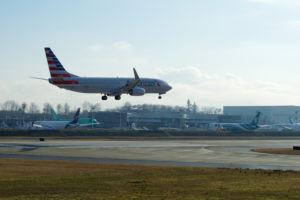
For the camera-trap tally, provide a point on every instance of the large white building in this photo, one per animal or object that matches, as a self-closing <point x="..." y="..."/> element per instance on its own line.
<point x="269" y="114"/>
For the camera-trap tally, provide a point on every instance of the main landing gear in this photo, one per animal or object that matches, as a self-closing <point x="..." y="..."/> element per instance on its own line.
<point x="118" y="97"/>
<point x="104" y="97"/>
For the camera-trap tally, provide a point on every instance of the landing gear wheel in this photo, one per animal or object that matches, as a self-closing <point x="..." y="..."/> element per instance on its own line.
<point x="159" y="97"/>
<point x="118" y="97"/>
<point x="104" y="97"/>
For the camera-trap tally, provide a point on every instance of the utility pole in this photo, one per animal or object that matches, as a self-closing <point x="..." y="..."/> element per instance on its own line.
<point x="120" y="119"/>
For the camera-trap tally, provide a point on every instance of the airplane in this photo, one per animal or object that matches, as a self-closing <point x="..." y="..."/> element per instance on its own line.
<point x="107" y="86"/>
<point x="60" y="124"/>
<point x="83" y="122"/>
<point x="236" y="126"/>
<point x="291" y="126"/>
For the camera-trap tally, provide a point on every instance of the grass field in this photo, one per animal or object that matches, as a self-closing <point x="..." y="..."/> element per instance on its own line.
<point x="286" y="151"/>
<point x="32" y="179"/>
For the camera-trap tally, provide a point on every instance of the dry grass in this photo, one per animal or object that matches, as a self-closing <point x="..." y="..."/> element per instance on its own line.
<point x="286" y="151"/>
<point x="32" y="179"/>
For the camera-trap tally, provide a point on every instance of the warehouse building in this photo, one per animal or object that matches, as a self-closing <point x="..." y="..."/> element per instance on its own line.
<point x="269" y="114"/>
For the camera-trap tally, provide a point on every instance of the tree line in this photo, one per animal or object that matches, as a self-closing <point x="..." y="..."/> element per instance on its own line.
<point x="86" y="107"/>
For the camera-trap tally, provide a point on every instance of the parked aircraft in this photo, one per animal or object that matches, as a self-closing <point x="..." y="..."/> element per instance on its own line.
<point x="83" y="122"/>
<point x="291" y="126"/>
<point x="275" y="127"/>
<point x="236" y="126"/>
<point x="60" y="124"/>
<point x="107" y="86"/>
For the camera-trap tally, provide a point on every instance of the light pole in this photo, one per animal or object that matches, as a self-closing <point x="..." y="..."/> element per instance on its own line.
<point x="120" y="119"/>
<point x="92" y="109"/>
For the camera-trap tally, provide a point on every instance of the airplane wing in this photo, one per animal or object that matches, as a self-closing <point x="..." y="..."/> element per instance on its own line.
<point x="88" y="124"/>
<point x="128" y="86"/>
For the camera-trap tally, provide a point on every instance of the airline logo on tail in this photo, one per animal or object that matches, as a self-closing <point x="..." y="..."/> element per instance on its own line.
<point x="256" y="119"/>
<point x="57" y="71"/>
<point x="75" y="119"/>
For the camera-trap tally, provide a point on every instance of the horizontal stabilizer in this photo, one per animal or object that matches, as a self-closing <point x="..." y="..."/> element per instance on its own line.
<point x="44" y="79"/>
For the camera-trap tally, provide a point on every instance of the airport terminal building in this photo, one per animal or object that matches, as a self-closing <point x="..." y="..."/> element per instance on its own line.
<point x="269" y="114"/>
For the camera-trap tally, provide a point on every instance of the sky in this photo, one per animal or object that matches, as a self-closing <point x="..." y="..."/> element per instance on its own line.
<point x="215" y="53"/>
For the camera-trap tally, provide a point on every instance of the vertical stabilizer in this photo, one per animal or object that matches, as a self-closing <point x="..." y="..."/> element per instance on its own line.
<point x="55" y="67"/>
<point x="54" y="116"/>
<point x="75" y="119"/>
<point x="256" y="119"/>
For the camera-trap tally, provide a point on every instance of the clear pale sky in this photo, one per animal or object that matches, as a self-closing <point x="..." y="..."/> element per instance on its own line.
<point x="233" y="52"/>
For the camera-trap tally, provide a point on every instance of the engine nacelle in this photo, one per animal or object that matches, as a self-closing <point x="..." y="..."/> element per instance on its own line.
<point x="137" y="91"/>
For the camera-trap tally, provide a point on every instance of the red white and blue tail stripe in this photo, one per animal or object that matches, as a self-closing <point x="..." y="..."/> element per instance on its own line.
<point x="55" y="67"/>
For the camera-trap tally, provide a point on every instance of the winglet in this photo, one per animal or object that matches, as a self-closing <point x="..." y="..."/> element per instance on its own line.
<point x="136" y="76"/>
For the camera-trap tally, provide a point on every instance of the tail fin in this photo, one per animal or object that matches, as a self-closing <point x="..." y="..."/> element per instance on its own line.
<point x="291" y="120"/>
<point x="54" y="116"/>
<point x="75" y="119"/>
<point x="256" y="119"/>
<point x="55" y="67"/>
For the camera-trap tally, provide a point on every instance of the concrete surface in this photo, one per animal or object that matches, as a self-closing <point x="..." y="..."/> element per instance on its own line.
<point x="208" y="153"/>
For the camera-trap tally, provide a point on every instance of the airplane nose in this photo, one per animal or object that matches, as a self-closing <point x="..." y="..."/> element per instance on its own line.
<point x="169" y="87"/>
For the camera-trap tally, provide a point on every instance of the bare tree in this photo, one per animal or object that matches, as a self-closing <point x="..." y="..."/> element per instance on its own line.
<point x="90" y="107"/>
<point x="33" y="108"/>
<point x="59" y="108"/>
<point x="47" y="108"/>
<point x="210" y="110"/>
<point x="66" y="109"/>
<point x="95" y="107"/>
<point x="194" y="108"/>
<point x="10" y="105"/>
<point x="86" y="106"/>
<point x="24" y="107"/>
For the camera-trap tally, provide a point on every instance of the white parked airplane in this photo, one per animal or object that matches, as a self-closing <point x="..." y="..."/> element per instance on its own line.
<point x="236" y="126"/>
<point x="292" y="126"/>
<point x="107" y="86"/>
<point x="58" y="124"/>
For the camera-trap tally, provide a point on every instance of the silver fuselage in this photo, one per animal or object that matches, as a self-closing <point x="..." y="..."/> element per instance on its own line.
<point x="107" y="85"/>
<point x="50" y="124"/>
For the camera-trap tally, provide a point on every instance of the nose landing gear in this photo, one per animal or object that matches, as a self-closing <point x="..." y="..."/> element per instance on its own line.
<point x="159" y="97"/>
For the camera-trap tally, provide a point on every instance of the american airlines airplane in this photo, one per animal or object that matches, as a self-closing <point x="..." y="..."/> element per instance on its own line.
<point x="60" y="124"/>
<point x="107" y="86"/>
<point x="236" y="126"/>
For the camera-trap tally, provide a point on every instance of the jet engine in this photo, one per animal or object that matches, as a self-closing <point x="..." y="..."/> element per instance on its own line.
<point x="137" y="91"/>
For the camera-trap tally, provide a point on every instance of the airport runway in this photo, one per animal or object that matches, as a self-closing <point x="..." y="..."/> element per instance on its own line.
<point x="198" y="153"/>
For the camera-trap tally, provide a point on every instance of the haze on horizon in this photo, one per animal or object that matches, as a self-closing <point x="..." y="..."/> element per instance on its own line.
<point x="234" y="52"/>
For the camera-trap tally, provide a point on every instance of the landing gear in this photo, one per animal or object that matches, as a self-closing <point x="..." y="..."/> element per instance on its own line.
<point x="118" y="97"/>
<point x="159" y="97"/>
<point x="104" y="97"/>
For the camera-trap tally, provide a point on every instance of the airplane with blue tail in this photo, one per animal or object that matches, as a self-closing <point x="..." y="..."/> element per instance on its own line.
<point x="253" y="125"/>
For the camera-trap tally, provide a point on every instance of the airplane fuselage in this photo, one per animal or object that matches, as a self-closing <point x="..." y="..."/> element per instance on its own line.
<point x="232" y="127"/>
<point x="50" y="124"/>
<point x="105" y="85"/>
<point x="135" y="86"/>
